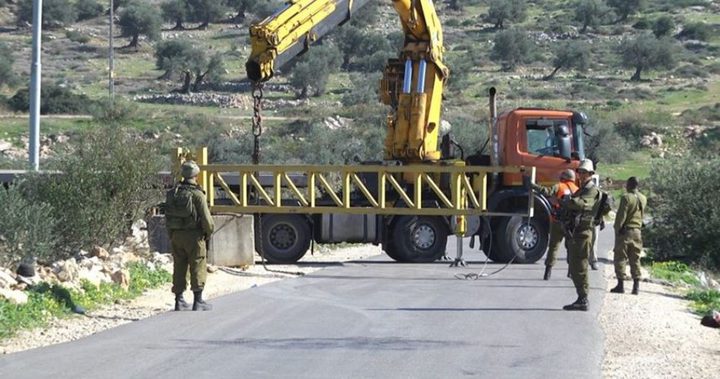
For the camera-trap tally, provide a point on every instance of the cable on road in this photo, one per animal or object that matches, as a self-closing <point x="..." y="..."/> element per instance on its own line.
<point x="482" y="273"/>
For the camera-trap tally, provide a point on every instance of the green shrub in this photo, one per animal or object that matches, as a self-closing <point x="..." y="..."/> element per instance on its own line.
<point x="54" y="100"/>
<point x="87" y="9"/>
<point x="26" y="227"/>
<point x="604" y="143"/>
<point x="691" y="71"/>
<point x="46" y="301"/>
<point x="696" y="31"/>
<point x="75" y="36"/>
<point x="686" y="217"/>
<point x="108" y="180"/>
<point x="704" y="301"/>
<point x="633" y="124"/>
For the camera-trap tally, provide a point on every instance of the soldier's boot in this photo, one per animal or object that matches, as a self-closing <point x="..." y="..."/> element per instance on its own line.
<point x="548" y="273"/>
<point x="619" y="288"/>
<point x="581" y="304"/>
<point x="593" y="265"/>
<point x="636" y="286"/>
<point x="181" y="304"/>
<point x="199" y="304"/>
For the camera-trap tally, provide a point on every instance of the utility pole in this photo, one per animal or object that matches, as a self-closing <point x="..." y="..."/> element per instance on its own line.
<point x="35" y="76"/>
<point x="111" y="63"/>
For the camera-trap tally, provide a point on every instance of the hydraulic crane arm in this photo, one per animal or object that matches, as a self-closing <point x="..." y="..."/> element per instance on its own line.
<point x="290" y="31"/>
<point x="412" y="85"/>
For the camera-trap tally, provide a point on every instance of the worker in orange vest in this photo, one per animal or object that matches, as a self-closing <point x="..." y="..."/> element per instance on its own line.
<point x="566" y="187"/>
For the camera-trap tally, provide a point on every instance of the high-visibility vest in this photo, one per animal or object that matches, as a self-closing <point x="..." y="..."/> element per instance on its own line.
<point x="565" y="188"/>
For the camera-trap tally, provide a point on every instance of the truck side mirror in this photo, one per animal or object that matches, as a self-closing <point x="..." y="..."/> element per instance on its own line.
<point x="562" y="133"/>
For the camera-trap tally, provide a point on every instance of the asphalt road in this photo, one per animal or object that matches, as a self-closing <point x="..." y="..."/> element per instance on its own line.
<point x="367" y="319"/>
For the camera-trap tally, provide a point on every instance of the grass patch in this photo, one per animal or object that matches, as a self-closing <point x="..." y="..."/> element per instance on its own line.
<point x="674" y="272"/>
<point x="704" y="301"/>
<point x="47" y="301"/>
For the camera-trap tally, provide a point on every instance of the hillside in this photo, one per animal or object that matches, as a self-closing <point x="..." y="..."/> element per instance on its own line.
<point x="678" y="103"/>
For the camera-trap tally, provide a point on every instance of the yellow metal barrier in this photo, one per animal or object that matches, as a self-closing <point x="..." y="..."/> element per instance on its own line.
<point x="464" y="194"/>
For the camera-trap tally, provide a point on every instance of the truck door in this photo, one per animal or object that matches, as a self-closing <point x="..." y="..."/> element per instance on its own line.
<point x="547" y="144"/>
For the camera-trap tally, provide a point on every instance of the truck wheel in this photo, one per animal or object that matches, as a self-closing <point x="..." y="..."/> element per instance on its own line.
<point x="284" y="239"/>
<point x="392" y="251"/>
<point x="517" y="238"/>
<point x="419" y="239"/>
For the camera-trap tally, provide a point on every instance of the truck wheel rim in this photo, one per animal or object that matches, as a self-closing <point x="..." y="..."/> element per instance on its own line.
<point x="424" y="237"/>
<point x="282" y="236"/>
<point x="527" y="237"/>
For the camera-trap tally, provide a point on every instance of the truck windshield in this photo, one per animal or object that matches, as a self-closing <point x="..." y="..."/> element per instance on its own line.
<point x="579" y="140"/>
<point x="541" y="136"/>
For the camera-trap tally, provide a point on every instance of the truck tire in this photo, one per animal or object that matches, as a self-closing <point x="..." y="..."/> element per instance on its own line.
<point x="517" y="238"/>
<point x="392" y="251"/>
<point x="283" y="238"/>
<point x="419" y="239"/>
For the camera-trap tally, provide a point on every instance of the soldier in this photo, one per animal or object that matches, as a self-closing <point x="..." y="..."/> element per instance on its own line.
<point x="189" y="225"/>
<point x="566" y="187"/>
<point x="581" y="208"/>
<point x="628" y="238"/>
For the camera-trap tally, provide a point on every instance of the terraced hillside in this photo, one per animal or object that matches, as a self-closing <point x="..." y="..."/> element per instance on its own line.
<point x="333" y="117"/>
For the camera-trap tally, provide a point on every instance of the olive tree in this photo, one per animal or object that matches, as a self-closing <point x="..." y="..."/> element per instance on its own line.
<point x="646" y="52"/>
<point x="590" y="13"/>
<point x="501" y="11"/>
<point x="511" y="48"/>
<point x="191" y="63"/>
<point x="311" y="73"/>
<point x="55" y="13"/>
<point x="176" y="11"/>
<point x="140" y="18"/>
<point x="207" y="11"/>
<point x="572" y="54"/>
<point x="625" y="8"/>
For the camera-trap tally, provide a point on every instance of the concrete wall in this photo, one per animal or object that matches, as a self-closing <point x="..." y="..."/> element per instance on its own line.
<point x="232" y="244"/>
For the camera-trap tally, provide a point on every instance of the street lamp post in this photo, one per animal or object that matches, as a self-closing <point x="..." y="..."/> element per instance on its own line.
<point x="35" y="76"/>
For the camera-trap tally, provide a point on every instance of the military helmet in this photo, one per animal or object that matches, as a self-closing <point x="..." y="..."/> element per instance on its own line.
<point x="587" y="165"/>
<point x="189" y="169"/>
<point x="567" y="175"/>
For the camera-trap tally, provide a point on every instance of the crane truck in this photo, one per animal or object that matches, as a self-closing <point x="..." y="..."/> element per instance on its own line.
<point x="412" y="88"/>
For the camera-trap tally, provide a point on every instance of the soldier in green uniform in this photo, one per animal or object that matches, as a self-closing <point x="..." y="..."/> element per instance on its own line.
<point x="581" y="208"/>
<point x="189" y="225"/>
<point x="628" y="238"/>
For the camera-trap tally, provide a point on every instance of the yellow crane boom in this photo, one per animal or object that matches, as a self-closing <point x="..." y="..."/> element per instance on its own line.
<point x="412" y="84"/>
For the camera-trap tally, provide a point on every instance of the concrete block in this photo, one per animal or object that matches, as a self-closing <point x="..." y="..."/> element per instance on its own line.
<point x="233" y="243"/>
<point x="158" y="237"/>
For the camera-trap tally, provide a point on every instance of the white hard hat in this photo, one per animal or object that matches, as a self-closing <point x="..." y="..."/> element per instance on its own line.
<point x="586" y="165"/>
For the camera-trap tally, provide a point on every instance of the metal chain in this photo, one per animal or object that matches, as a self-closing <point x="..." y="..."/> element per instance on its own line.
<point x="257" y="129"/>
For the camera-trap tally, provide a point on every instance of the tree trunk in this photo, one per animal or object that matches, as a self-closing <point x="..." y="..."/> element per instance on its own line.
<point x="198" y="81"/>
<point x="134" y="41"/>
<point x="584" y="28"/>
<point x="552" y="74"/>
<point x="178" y="25"/>
<point x="636" y="75"/>
<point x="186" y="83"/>
<point x="304" y="93"/>
<point x="204" y="25"/>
